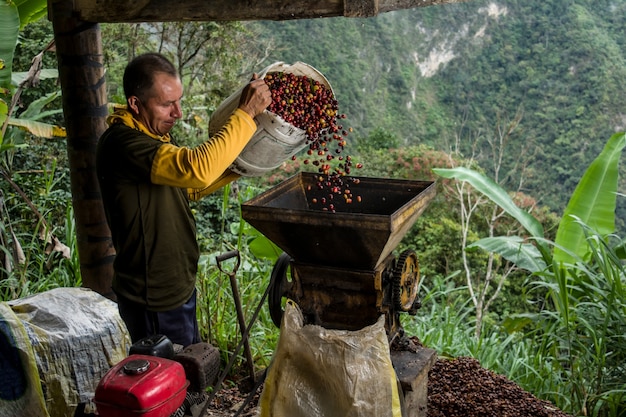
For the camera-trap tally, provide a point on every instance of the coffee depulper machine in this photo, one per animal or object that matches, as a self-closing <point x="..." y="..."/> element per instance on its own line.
<point x="339" y="266"/>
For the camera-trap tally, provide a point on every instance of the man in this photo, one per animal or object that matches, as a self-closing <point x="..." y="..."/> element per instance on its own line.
<point x="146" y="181"/>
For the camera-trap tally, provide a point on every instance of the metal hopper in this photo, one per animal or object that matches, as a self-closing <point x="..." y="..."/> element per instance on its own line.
<point x="358" y="235"/>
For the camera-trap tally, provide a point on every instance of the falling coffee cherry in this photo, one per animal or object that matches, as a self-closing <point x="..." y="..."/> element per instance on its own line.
<point x="309" y="105"/>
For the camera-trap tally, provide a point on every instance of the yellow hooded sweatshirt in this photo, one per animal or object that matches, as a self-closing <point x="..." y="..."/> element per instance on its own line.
<point x="146" y="182"/>
<point x="203" y="169"/>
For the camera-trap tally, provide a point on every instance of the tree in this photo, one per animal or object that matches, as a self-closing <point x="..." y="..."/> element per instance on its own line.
<point x="485" y="283"/>
<point x="581" y="330"/>
<point x="379" y="138"/>
<point x="15" y="129"/>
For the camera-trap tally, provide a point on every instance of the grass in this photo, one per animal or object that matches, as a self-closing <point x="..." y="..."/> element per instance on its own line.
<point x="217" y="312"/>
<point x="571" y="352"/>
<point x="37" y="268"/>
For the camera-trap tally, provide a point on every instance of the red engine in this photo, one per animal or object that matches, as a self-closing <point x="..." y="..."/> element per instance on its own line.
<point x="142" y="385"/>
<point x="156" y="381"/>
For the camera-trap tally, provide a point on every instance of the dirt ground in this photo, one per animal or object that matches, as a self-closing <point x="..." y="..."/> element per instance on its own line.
<point x="456" y="388"/>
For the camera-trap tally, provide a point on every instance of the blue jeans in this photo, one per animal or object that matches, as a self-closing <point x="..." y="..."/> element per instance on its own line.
<point x="180" y="325"/>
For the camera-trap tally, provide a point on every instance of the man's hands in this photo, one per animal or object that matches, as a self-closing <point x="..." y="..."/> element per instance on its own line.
<point x="255" y="97"/>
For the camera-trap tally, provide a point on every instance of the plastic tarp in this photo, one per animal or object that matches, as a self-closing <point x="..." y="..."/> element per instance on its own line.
<point x="63" y="342"/>
<point x="20" y="390"/>
<point x="317" y="372"/>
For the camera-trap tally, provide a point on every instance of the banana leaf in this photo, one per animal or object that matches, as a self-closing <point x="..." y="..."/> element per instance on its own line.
<point x="4" y="110"/>
<point x="45" y="73"/>
<point x="39" y="129"/>
<point x="263" y="248"/>
<point x="592" y="203"/>
<point x="31" y="10"/>
<point x="35" y="110"/>
<point x="513" y="249"/>
<point x="496" y="193"/>
<point x="14" y="15"/>
<point x="28" y="120"/>
<point x="9" y="29"/>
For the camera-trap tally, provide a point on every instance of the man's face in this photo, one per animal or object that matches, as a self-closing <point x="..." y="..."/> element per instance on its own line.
<point x="160" y="110"/>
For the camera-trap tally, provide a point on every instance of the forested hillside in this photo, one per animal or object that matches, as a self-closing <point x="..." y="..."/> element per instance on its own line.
<point x="441" y="86"/>
<point x="460" y="72"/>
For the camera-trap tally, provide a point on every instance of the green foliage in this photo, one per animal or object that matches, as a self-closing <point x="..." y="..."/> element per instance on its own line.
<point x="29" y="124"/>
<point x="30" y="10"/>
<point x="216" y="306"/>
<point x="9" y="28"/>
<point x="33" y="39"/>
<point x="35" y="204"/>
<point x="429" y="74"/>
<point x="485" y="185"/>
<point x="14" y="16"/>
<point x="35" y="106"/>
<point x="571" y="352"/>
<point x="594" y="201"/>
<point x="36" y="265"/>
<point x="217" y="313"/>
<point x="379" y="138"/>
<point x="581" y="328"/>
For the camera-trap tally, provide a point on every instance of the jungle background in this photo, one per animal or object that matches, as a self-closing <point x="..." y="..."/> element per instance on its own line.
<point x="526" y="93"/>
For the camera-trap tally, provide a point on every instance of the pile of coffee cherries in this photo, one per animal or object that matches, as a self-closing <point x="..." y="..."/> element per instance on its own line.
<point x="309" y="105"/>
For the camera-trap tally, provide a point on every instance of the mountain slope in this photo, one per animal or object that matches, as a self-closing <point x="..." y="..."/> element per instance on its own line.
<point x="434" y="74"/>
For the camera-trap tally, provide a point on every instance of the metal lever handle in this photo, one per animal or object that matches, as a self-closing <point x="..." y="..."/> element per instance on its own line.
<point x="240" y="317"/>
<point x="225" y="256"/>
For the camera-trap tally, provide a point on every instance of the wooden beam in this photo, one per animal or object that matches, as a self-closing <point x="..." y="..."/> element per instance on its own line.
<point x="360" y="8"/>
<point x="121" y="11"/>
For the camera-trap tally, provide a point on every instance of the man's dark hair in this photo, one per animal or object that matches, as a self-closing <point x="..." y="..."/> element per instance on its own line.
<point x="139" y="73"/>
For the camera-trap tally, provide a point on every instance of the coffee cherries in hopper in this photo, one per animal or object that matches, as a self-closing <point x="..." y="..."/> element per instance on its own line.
<point x="308" y="105"/>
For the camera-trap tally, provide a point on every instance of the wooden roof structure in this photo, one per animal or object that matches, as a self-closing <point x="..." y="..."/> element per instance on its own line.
<point x="108" y="11"/>
<point x="81" y="75"/>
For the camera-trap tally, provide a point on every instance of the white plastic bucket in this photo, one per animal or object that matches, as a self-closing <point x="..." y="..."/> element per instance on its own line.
<point x="274" y="140"/>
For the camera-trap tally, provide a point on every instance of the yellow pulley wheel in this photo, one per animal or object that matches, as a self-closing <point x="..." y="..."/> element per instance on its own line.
<point x="406" y="276"/>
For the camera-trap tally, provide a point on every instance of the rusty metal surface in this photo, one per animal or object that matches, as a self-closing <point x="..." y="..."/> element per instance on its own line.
<point x="337" y="298"/>
<point x="357" y="235"/>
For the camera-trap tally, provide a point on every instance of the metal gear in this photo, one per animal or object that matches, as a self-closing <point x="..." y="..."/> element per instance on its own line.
<point x="405" y="281"/>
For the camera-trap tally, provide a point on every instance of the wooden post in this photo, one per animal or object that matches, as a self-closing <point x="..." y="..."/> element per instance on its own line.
<point x="81" y="73"/>
<point x="412" y="368"/>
